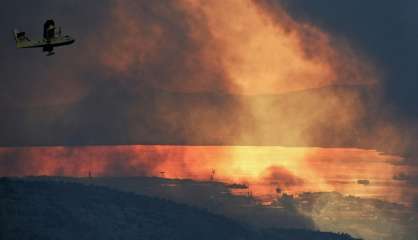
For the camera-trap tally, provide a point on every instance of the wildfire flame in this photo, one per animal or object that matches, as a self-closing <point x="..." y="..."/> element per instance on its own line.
<point x="263" y="169"/>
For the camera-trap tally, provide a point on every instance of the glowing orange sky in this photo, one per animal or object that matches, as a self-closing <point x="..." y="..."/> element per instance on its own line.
<point x="292" y="169"/>
<point x="257" y="51"/>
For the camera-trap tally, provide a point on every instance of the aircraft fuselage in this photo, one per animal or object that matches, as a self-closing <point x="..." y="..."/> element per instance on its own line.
<point x="51" y="38"/>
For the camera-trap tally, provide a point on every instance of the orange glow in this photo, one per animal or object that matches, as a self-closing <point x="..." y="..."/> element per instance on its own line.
<point x="264" y="169"/>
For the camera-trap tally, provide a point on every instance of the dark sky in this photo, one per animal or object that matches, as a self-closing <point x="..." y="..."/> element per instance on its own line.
<point x="73" y="98"/>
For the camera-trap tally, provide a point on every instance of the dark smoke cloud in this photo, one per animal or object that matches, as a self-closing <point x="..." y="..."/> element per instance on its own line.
<point x="79" y="96"/>
<point x="122" y="46"/>
<point x="88" y="97"/>
<point x="158" y="44"/>
<point x="386" y="31"/>
<point x="282" y="177"/>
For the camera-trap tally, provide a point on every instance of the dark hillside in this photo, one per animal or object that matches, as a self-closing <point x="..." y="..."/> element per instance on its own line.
<point x="58" y="210"/>
<point x="64" y="210"/>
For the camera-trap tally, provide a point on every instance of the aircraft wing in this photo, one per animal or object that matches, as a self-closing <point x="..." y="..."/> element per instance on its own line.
<point x="61" y="40"/>
<point x="53" y="42"/>
<point x="31" y="44"/>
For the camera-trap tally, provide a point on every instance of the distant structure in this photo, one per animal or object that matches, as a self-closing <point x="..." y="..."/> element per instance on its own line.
<point x="363" y="182"/>
<point x="162" y="174"/>
<point x="212" y="175"/>
<point x="90" y="177"/>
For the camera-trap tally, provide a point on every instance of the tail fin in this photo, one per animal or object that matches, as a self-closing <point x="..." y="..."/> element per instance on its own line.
<point x="20" y="37"/>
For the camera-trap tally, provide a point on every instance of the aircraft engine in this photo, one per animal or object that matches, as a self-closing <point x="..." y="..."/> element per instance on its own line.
<point x="49" y="29"/>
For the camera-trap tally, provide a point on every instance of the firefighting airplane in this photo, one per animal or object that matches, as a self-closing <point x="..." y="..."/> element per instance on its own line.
<point x="51" y="38"/>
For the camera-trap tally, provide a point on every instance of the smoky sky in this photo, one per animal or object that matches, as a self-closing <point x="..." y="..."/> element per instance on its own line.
<point x="386" y="31"/>
<point x="73" y="99"/>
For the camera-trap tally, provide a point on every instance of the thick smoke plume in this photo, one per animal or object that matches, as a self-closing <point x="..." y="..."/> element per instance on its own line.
<point x="240" y="48"/>
<point x="199" y="73"/>
<point x="196" y="72"/>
